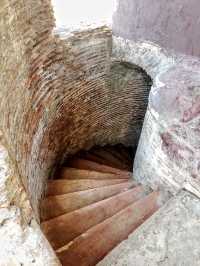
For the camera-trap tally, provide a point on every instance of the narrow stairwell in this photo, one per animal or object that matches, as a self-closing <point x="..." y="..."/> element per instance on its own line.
<point x="93" y="204"/>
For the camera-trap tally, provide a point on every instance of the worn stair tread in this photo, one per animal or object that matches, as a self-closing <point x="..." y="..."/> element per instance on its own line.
<point x="89" y="165"/>
<point x="111" y="160"/>
<point x="122" y="155"/>
<point x="74" y="173"/>
<point x="54" y="206"/>
<point x="90" y="247"/>
<point x="91" y="157"/>
<point x="64" y="186"/>
<point x="123" y="151"/>
<point x="63" y="229"/>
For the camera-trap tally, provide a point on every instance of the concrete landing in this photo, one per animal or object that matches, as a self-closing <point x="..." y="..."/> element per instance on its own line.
<point x="171" y="237"/>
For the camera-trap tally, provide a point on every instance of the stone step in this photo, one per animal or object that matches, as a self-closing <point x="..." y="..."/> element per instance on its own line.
<point x="121" y="154"/>
<point x="124" y="161"/>
<point x="64" y="186"/>
<point x="89" y="165"/>
<point x="110" y="159"/>
<point x="63" y="229"/>
<point x="74" y="173"/>
<point x="93" y="245"/>
<point x="54" y="206"/>
<point x="170" y="237"/>
<point x="91" y="157"/>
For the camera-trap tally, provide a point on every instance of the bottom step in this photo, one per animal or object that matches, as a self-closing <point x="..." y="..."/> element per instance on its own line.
<point x="91" y="207"/>
<point x="63" y="229"/>
<point x="94" y="244"/>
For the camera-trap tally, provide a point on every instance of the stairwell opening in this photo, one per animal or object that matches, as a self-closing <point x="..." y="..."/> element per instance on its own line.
<point x="95" y="119"/>
<point x="109" y="154"/>
<point x="74" y="95"/>
<point x="100" y="116"/>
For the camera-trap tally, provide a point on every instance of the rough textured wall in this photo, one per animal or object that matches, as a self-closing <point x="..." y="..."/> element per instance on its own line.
<point x="21" y="241"/>
<point x="24" y="26"/>
<point x="24" y="29"/>
<point x="172" y="123"/>
<point x="130" y="91"/>
<point x="171" y="24"/>
<point x="168" y="150"/>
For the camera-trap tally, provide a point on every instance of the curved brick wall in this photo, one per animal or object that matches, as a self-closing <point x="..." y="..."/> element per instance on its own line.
<point x="171" y="24"/>
<point x="61" y="92"/>
<point x="25" y="33"/>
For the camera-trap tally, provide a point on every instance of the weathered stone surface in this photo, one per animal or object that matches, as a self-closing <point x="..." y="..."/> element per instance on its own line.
<point x="170" y="237"/>
<point x="150" y="57"/>
<point x="168" y="150"/>
<point x="21" y="241"/>
<point x="23" y="245"/>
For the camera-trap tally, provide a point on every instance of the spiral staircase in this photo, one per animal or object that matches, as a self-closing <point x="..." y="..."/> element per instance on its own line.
<point x="93" y="204"/>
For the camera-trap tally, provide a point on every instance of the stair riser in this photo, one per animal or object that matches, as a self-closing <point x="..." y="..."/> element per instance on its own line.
<point x="92" y="246"/>
<point x="73" y="173"/>
<point x="88" y="165"/>
<point x="111" y="160"/>
<point x="59" y="187"/>
<point x="65" y="228"/>
<point x="54" y="206"/>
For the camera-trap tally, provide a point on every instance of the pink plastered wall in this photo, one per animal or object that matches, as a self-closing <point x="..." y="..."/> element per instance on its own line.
<point x="173" y="24"/>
